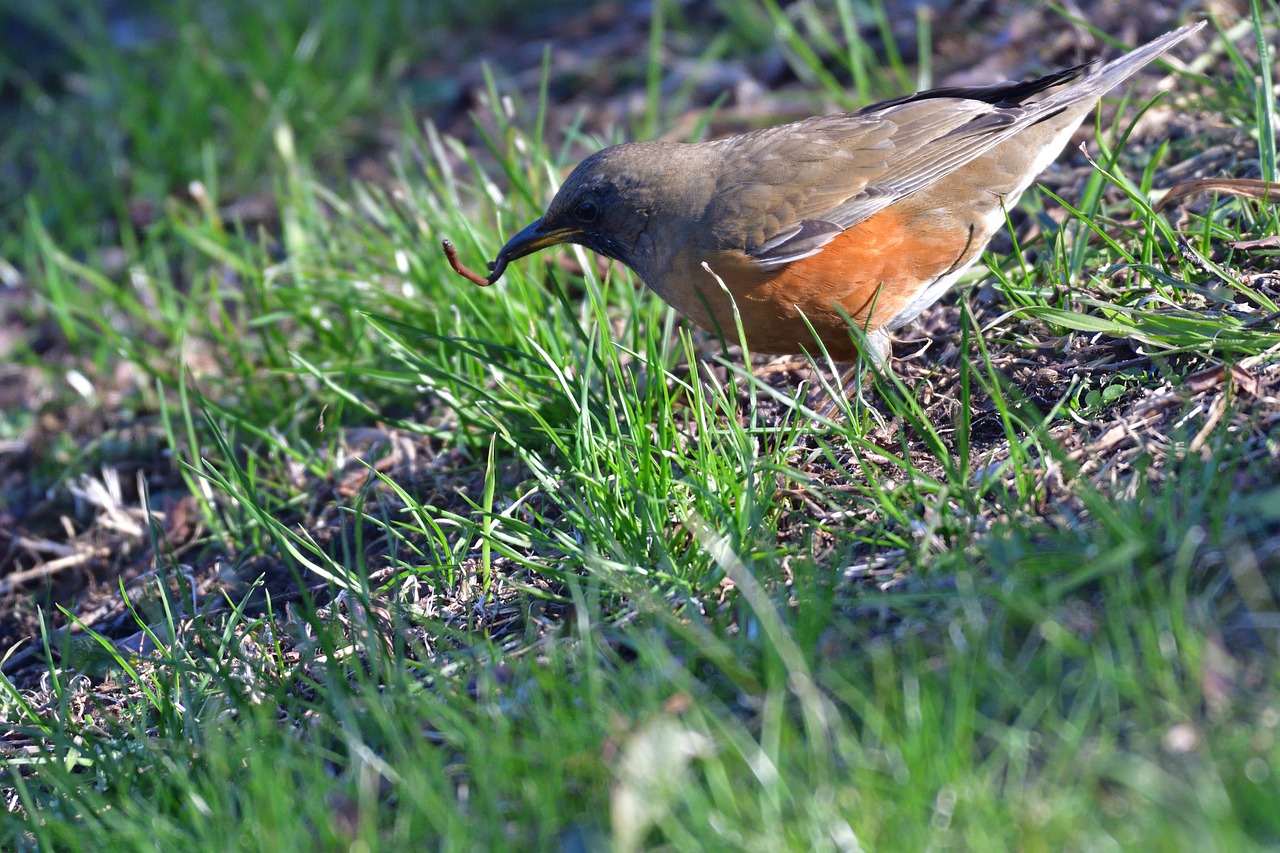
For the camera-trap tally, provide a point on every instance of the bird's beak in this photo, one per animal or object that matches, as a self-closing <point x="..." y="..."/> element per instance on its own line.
<point x="533" y="238"/>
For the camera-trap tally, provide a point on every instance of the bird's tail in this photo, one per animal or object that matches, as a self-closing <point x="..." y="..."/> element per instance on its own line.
<point x="1115" y="72"/>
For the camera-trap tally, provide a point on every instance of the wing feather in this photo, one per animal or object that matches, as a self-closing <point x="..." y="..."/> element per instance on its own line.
<point x="785" y="191"/>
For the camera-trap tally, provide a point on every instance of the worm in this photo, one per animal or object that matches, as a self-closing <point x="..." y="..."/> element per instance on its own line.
<point x="472" y="276"/>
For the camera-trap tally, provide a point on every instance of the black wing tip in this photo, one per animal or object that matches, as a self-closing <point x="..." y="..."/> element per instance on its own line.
<point x="1014" y="93"/>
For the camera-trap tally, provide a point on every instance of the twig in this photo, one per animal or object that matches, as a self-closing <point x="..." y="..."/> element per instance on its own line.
<point x="52" y="567"/>
<point x="1263" y="191"/>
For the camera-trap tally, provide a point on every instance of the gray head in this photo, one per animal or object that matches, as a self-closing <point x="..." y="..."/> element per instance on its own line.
<point x="606" y="204"/>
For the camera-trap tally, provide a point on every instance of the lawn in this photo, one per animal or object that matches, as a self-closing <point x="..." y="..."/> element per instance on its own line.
<point x="308" y="543"/>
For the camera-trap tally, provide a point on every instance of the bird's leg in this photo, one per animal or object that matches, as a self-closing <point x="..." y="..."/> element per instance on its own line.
<point x="878" y="352"/>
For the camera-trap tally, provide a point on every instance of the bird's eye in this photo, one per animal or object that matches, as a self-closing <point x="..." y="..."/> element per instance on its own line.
<point x="586" y="212"/>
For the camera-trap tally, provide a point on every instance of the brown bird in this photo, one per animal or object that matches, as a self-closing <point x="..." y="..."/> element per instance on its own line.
<point x="868" y="216"/>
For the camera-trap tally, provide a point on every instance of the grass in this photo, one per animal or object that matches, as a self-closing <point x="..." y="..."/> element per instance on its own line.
<point x="357" y="555"/>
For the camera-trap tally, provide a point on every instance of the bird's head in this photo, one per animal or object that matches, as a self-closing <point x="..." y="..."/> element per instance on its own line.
<point x="607" y="205"/>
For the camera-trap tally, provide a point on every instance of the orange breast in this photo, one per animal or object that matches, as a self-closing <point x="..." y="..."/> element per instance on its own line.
<point x="869" y="272"/>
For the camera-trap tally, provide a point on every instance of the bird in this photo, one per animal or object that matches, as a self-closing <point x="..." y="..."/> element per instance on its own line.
<point x="864" y="217"/>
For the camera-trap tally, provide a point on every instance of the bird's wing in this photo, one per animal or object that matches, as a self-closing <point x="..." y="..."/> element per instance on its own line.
<point x="785" y="192"/>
